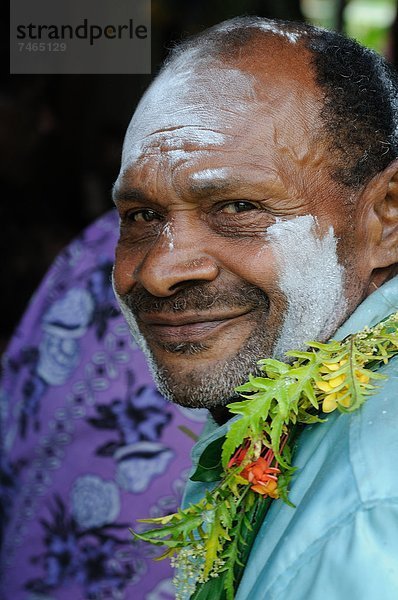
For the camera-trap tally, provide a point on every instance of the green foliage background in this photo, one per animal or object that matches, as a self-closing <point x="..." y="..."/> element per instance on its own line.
<point x="368" y="21"/>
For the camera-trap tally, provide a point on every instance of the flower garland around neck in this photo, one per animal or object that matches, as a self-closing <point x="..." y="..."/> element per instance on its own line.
<point x="250" y="466"/>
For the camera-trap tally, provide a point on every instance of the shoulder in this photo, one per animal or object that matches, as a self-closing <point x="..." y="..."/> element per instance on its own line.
<point x="342" y="539"/>
<point x="358" y="560"/>
<point x="373" y="441"/>
<point x="358" y="538"/>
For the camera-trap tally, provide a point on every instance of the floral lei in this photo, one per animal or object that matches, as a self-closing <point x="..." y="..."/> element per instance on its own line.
<point x="210" y="541"/>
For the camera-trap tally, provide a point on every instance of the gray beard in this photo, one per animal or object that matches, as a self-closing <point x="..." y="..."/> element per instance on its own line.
<point x="208" y="388"/>
<point x="205" y="387"/>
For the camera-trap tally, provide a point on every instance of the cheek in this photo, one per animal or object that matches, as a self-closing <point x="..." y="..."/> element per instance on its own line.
<point x="123" y="272"/>
<point x="357" y="260"/>
<point x="255" y="263"/>
<point x="353" y="250"/>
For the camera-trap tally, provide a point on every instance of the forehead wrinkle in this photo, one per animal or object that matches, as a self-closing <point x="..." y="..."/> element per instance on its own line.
<point x="195" y="132"/>
<point x="186" y="138"/>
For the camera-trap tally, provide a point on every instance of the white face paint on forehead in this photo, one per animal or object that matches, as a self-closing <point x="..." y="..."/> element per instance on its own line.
<point x="188" y="105"/>
<point x="211" y="175"/>
<point x="311" y="279"/>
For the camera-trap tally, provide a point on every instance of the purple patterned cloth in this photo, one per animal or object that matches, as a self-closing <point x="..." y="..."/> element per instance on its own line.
<point x="88" y="445"/>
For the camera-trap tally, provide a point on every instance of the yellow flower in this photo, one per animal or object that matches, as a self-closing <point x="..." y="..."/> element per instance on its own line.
<point x="332" y="366"/>
<point x="323" y="385"/>
<point x="329" y="403"/>
<point x="335" y="394"/>
<point x="362" y="377"/>
<point x="330" y="384"/>
<point x="336" y="381"/>
<point x="332" y="400"/>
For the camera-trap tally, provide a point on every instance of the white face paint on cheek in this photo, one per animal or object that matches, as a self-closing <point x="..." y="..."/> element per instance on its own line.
<point x="311" y="279"/>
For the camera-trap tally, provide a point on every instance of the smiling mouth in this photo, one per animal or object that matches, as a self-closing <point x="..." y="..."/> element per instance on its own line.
<point x="185" y="328"/>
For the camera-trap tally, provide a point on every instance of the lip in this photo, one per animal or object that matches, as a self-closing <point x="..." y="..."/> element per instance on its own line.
<point x="186" y="328"/>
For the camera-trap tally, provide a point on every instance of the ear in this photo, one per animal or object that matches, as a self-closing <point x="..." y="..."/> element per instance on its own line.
<point x="380" y="200"/>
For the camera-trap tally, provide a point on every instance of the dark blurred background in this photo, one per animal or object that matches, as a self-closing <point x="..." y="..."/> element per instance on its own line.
<point x="61" y="136"/>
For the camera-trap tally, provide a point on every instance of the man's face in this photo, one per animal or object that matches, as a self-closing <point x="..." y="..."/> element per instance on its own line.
<point x="235" y="243"/>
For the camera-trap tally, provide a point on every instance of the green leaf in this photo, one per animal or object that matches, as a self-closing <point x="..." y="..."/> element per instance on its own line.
<point x="273" y="367"/>
<point x="182" y="527"/>
<point x="209" y="466"/>
<point x="227" y="514"/>
<point x="237" y="433"/>
<point x="283" y="483"/>
<point x="260" y="383"/>
<point x="213" y="589"/>
<point x="307" y="418"/>
<point x="214" y="543"/>
<point x="276" y="434"/>
<point x="285" y="394"/>
<point x="329" y="347"/>
<point x="154" y="542"/>
<point x="303" y="355"/>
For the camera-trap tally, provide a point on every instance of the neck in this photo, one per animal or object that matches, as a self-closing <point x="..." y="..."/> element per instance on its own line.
<point x="221" y="413"/>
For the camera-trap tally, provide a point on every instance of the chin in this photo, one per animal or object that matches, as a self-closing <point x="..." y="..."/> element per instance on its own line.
<point x="195" y="383"/>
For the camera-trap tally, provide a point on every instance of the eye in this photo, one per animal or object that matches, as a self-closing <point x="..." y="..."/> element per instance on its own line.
<point x="144" y="215"/>
<point x="238" y="206"/>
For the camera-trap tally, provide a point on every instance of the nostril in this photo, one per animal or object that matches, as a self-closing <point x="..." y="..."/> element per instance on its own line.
<point x="176" y="287"/>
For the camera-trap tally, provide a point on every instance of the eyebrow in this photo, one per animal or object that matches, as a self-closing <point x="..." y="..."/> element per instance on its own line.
<point x="197" y="187"/>
<point x="209" y="187"/>
<point x="214" y="182"/>
<point x="126" y="195"/>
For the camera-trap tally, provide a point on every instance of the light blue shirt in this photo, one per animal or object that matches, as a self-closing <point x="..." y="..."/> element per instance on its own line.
<point x="341" y="540"/>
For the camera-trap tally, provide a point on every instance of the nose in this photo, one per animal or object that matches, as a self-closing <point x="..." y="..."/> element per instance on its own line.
<point x="175" y="260"/>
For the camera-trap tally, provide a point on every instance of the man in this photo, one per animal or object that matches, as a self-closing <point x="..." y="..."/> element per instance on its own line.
<point x="258" y="197"/>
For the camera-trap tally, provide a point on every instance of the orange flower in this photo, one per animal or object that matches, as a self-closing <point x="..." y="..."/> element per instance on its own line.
<point x="267" y="489"/>
<point x="263" y="477"/>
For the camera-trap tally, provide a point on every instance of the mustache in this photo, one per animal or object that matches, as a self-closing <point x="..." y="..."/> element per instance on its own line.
<point x="197" y="298"/>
